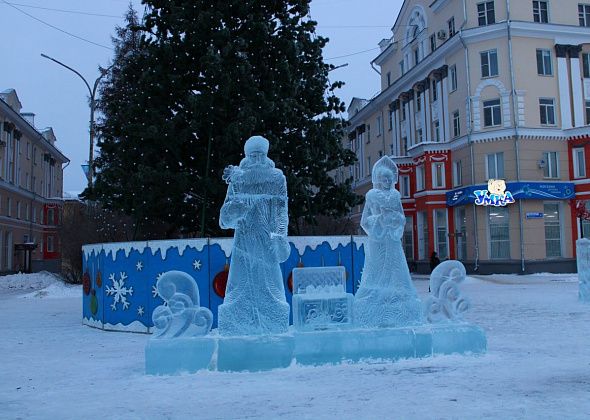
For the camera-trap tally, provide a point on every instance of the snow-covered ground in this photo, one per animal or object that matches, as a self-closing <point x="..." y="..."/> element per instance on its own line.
<point x="537" y="365"/>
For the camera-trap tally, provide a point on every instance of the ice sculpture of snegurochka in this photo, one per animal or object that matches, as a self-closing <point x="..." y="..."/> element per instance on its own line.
<point x="181" y="315"/>
<point x="583" y="262"/>
<point x="386" y="296"/>
<point x="256" y="207"/>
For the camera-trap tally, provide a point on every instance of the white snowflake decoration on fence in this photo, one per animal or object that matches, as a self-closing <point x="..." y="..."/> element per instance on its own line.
<point x="119" y="291"/>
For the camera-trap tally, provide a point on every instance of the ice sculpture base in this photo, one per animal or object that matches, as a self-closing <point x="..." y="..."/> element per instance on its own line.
<point x="255" y="353"/>
<point x="178" y="355"/>
<point x="259" y="353"/>
<point x="335" y="346"/>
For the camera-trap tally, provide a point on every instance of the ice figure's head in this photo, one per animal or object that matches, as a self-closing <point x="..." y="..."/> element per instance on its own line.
<point x="256" y="149"/>
<point x="384" y="174"/>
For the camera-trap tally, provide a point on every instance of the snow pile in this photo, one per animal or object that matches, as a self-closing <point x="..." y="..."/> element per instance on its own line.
<point x="38" y="285"/>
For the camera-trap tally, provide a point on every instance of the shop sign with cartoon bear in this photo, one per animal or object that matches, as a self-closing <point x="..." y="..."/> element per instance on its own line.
<point x="495" y="195"/>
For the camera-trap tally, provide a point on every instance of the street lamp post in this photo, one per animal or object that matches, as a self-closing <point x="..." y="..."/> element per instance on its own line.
<point x="92" y="93"/>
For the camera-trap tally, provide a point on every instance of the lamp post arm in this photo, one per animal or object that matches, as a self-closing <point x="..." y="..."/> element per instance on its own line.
<point x="71" y="69"/>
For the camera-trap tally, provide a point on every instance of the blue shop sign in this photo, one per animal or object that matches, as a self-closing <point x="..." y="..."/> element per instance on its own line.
<point x="534" y="215"/>
<point x="519" y="190"/>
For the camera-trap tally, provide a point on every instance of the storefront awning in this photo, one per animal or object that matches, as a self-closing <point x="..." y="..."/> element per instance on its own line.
<point x="519" y="190"/>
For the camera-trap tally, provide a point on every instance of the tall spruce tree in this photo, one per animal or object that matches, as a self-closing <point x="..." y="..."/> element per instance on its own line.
<point x="205" y="76"/>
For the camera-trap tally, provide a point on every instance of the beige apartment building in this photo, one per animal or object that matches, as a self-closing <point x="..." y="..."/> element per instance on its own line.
<point x="479" y="90"/>
<point x="31" y="187"/>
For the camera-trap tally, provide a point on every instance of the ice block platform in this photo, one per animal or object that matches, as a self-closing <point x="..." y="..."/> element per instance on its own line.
<point x="258" y="353"/>
<point x="172" y="356"/>
<point x="335" y="346"/>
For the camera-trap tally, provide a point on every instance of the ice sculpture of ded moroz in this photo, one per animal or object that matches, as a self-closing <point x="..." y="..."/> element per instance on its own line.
<point x="386" y="296"/>
<point x="256" y="207"/>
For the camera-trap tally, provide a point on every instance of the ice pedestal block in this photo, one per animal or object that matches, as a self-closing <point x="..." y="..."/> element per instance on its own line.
<point x="335" y="346"/>
<point x="255" y="353"/>
<point x="583" y="262"/>
<point x="458" y="338"/>
<point x="259" y="353"/>
<point x="320" y="300"/>
<point x="178" y="355"/>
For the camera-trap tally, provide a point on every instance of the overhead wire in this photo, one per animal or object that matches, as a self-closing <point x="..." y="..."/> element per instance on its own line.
<point x="75" y="12"/>
<point x="351" y="54"/>
<point x="55" y="27"/>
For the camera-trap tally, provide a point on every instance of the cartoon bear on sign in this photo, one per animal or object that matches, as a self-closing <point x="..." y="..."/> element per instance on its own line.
<point x="497" y="186"/>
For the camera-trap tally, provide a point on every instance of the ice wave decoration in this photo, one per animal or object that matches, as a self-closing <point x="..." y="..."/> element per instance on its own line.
<point x="445" y="303"/>
<point x="181" y="314"/>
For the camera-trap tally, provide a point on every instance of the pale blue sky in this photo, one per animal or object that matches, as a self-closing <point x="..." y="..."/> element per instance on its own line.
<point x="59" y="98"/>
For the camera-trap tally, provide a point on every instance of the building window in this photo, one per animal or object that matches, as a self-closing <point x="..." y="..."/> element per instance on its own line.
<point x="404" y="186"/>
<point x="18" y="210"/>
<point x="27" y="211"/>
<point x="552" y="230"/>
<point x="579" y="159"/>
<point x="432" y="42"/>
<point x="388" y="78"/>
<point x="456" y="124"/>
<point x="357" y="171"/>
<point x="547" y="111"/>
<point x="419" y="177"/>
<point x="368" y="171"/>
<point x="588" y="112"/>
<point x="418" y="102"/>
<point x="404" y="145"/>
<point x="50" y="244"/>
<point x="584" y="14"/>
<point x="453" y="73"/>
<point x="540" y="11"/>
<point x="551" y="168"/>
<point x="390" y="118"/>
<point x="440" y="227"/>
<point x="418" y="136"/>
<point x="434" y="91"/>
<point x="408" y="238"/>
<point x="50" y="216"/>
<point x="544" y="67"/>
<point x="489" y="63"/>
<point x="451" y="24"/>
<point x="586" y="65"/>
<point x="485" y="13"/>
<point x="492" y="115"/>
<point x="35" y="155"/>
<point x="457" y="173"/>
<point x="436" y="125"/>
<point x="379" y="126"/>
<point x="438" y="175"/>
<point x="28" y="150"/>
<point x="402" y="68"/>
<point x="499" y="232"/>
<point x="34" y="214"/>
<point x="9" y="207"/>
<point x="495" y="165"/>
<point x="403" y="112"/>
<point x="422" y="226"/>
<point x="416" y="55"/>
<point x="368" y="133"/>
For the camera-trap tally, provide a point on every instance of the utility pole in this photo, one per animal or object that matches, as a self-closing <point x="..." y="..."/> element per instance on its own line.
<point x="92" y="93"/>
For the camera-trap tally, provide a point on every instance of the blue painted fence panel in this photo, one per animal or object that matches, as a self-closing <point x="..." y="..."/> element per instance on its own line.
<point x="120" y="278"/>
